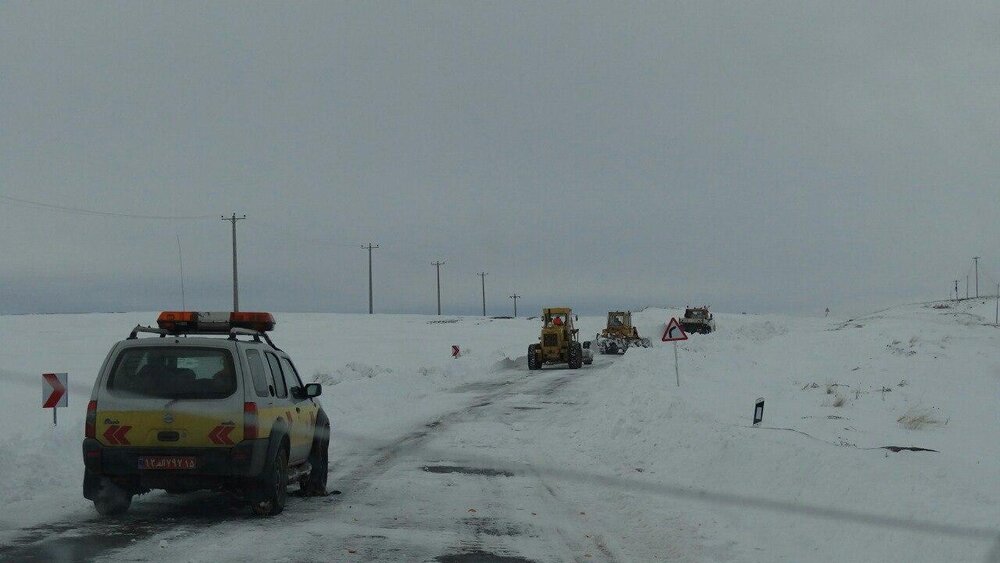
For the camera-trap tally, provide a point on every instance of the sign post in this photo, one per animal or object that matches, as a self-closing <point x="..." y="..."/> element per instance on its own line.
<point x="54" y="392"/>
<point x="673" y="333"/>
<point x="677" y="370"/>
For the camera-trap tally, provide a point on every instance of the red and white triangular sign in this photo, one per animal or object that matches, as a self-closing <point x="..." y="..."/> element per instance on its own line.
<point x="674" y="332"/>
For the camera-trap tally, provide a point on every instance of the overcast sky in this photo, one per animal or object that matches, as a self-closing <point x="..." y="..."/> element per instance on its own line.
<point x="758" y="157"/>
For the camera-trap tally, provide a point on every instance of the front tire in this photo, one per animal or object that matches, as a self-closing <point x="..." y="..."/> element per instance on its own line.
<point x="272" y="489"/>
<point x="575" y="355"/>
<point x="314" y="484"/>
<point x="534" y="362"/>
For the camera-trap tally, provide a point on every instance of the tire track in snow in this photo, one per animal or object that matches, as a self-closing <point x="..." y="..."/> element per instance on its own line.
<point x="364" y="475"/>
<point x="570" y="511"/>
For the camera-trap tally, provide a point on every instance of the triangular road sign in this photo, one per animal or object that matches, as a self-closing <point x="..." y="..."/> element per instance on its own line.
<point x="674" y="332"/>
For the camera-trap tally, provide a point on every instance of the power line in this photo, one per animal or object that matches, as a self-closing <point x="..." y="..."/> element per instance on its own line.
<point x="81" y="211"/>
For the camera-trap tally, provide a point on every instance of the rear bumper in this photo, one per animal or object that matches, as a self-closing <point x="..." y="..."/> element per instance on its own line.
<point x="245" y="459"/>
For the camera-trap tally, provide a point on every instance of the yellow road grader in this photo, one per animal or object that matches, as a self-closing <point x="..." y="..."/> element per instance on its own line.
<point x="620" y="334"/>
<point x="559" y="342"/>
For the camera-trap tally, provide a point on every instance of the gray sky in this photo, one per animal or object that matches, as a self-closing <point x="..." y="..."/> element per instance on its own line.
<point x="760" y="157"/>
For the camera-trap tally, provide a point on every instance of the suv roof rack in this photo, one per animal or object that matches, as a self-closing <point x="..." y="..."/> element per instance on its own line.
<point x="233" y="333"/>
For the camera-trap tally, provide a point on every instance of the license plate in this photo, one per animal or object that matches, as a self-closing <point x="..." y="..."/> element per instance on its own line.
<point x="166" y="462"/>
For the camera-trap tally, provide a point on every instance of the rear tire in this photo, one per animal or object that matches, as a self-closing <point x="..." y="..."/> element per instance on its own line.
<point x="574" y="356"/>
<point x="112" y="500"/>
<point x="534" y="362"/>
<point x="272" y="488"/>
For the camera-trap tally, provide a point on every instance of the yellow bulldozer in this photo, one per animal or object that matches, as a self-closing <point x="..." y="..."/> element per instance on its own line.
<point x="620" y="334"/>
<point x="559" y="342"/>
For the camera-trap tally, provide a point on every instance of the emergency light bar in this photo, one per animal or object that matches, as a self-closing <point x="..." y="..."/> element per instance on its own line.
<point x="184" y="321"/>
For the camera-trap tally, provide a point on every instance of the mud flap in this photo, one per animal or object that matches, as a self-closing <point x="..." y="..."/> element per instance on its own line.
<point x="91" y="485"/>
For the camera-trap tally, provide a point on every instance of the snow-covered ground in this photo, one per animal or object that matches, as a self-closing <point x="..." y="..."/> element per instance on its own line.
<point x="458" y="459"/>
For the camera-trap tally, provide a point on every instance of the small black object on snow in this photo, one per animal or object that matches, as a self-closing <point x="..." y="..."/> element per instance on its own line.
<point x="897" y="449"/>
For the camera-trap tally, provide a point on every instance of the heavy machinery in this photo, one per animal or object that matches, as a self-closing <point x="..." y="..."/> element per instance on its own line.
<point x="697" y="319"/>
<point x="619" y="334"/>
<point x="558" y="342"/>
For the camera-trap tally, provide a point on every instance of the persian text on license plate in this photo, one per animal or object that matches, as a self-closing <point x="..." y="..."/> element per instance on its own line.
<point x="166" y="462"/>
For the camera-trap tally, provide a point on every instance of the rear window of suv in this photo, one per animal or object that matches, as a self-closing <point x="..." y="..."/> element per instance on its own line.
<point x="174" y="373"/>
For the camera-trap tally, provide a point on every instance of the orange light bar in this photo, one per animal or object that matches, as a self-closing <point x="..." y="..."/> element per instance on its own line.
<point x="253" y="321"/>
<point x="181" y="321"/>
<point x="176" y="320"/>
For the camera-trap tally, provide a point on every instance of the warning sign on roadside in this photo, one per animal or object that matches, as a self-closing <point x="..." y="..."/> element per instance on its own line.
<point x="54" y="392"/>
<point x="674" y="332"/>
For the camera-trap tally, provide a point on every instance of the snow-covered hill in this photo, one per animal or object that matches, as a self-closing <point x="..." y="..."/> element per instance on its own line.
<point x="653" y="470"/>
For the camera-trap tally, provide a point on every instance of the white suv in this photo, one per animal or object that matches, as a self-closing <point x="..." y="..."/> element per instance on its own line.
<point x="210" y="403"/>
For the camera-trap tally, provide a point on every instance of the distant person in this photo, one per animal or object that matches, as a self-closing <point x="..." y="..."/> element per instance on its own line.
<point x="557" y="321"/>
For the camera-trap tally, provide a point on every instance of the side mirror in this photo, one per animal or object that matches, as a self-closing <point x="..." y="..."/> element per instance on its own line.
<point x="313" y="390"/>
<point x="576" y="318"/>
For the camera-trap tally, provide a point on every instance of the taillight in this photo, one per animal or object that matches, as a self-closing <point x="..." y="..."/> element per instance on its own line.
<point x="249" y="421"/>
<point x="90" y="426"/>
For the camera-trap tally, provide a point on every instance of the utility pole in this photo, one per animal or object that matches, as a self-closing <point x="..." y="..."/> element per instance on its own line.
<point x="966" y="286"/>
<point x="976" y="259"/>
<point x="956" y="290"/>
<point x="370" y="247"/>
<point x="437" y="265"/>
<point x="236" y="283"/>
<point x="180" y="262"/>
<point x="483" y="275"/>
<point x="515" y="298"/>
